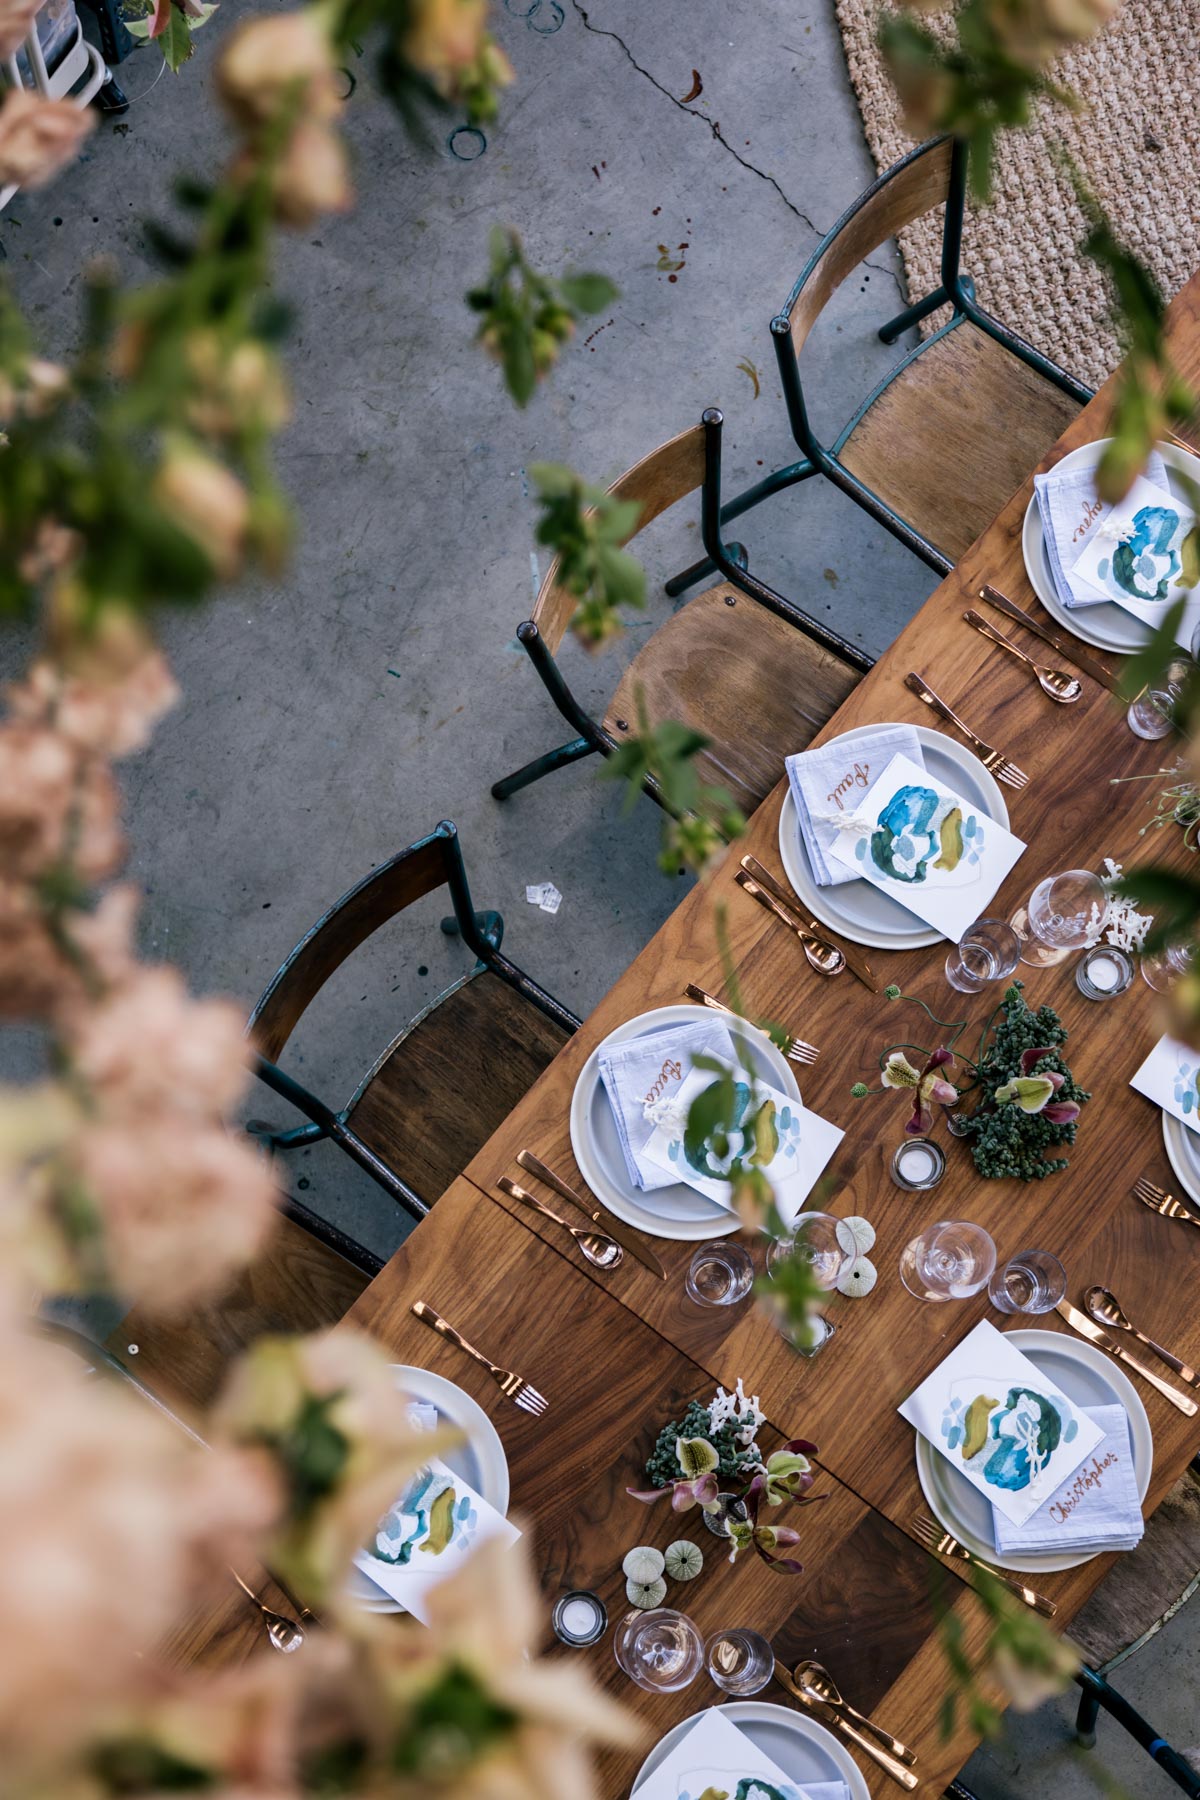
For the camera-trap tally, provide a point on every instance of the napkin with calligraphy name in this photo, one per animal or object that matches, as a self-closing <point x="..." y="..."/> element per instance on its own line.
<point x="827" y="785"/>
<point x="642" y="1071"/>
<point x="1097" y="1507"/>
<point x="714" y="1758"/>
<point x="1071" y="514"/>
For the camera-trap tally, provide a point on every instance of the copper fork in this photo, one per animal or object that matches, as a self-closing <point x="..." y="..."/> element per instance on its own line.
<point x="794" y="1048"/>
<point x="993" y="760"/>
<point x="943" y="1544"/>
<point x="1159" y="1201"/>
<point x="508" y="1381"/>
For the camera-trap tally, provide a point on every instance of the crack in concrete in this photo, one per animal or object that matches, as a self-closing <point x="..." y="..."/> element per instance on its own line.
<point x="713" y="125"/>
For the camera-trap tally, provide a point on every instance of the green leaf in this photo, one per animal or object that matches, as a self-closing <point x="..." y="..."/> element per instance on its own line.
<point x="588" y="293"/>
<point x="175" y="40"/>
<point x="1149" y="663"/>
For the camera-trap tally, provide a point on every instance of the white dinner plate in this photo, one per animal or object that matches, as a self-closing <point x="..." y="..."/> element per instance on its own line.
<point x="479" y="1459"/>
<point x="1087" y="1376"/>
<point x="1106" y="624"/>
<point x="1183" y="1152"/>
<point x="857" y="910"/>
<point x="798" y="1745"/>
<point x="669" y="1212"/>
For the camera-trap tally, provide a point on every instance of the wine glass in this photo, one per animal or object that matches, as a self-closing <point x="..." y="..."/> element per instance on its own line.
<point x="989" y="951"/>
<point x="814" y="1236"/>
<point x="1162" y="971"/>
<point x="949" y="1261"/>
<point x="1065" y="913"/>
<point x="660" y="1649"/>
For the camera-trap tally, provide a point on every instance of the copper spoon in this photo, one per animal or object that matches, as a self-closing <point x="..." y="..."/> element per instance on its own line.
<point x="814" y="1678"/>
<point x="1055" y="682"/>
<point x="1105" y="1308"/>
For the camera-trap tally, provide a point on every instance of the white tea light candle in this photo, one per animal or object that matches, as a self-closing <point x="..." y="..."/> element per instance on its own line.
<point x="579" y="1618"/>
<point x="918" y="1164"/>
<point x="1103" y="972"/>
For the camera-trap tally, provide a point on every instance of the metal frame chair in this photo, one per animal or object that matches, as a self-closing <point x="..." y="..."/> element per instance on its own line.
<point x="677" y="468"/>
<point x="933" y="174"/>
<point x="433" y="861"/>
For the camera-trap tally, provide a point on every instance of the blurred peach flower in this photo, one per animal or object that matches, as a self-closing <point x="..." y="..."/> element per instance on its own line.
<point x="208" y="502"/>
<point x="52" y="547"/>
<point x="108" y="1517"/>
<point x="445" y="36"/>
<point x="266" y="60"/>
<point x="32" y="394"/>
<point x="332" y="1511"/>
<point x="171" y="1211"/>
<point x="16" y="18"/>
<point x="109" y="714"/>
<point x="312" y="176"/>
<point x="149" y="1047"/>
<point x="236" y="388"/>
<point x="43" y="975"/>
<point x="55" y="806"/>
<point x="39" y="137"/>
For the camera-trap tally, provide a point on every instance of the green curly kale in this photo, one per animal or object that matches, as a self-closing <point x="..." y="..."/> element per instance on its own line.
<point x="662" y="1466"/>
<point x="1008" y="1143"/>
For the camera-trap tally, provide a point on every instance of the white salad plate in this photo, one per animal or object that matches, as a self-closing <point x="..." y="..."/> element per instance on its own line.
<point x="1183" y="1153"/>
<point x="802" y="1748"/>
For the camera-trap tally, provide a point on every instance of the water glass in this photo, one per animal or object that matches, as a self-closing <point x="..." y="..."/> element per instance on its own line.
<point x="814" y="1237"/>
<point x="1032" y="1281"/>
<point x="949" y="1261"/>
<point x="1065" y="912"/>
<point x="720" y="1274"/>
<point x="1152" y="714"/>
<point x="740" y="1661"/>
<point x="990" y="951"/>
<point x="660" y="1649"/>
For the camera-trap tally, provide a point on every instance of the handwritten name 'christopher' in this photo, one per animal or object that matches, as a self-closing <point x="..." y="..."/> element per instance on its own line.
<point x="1090" y="1476"/>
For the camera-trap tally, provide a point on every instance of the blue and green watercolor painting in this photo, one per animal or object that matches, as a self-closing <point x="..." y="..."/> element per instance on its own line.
<point x="923" y="836"/>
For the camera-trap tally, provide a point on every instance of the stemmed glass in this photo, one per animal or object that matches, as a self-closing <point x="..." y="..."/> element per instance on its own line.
<point x="659" y="1649"/>
<point x="949" y="1261"/>
<point x="814" y="1236"/>
<point x="1065" y="913"/>
<point x="1162" y="971"/>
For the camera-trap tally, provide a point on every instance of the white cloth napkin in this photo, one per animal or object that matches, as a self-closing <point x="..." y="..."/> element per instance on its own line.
<point x="1071" y="515"/>
<point x="653" y="1068"/>
<point x="830" y="783"/>
<point x="1096" y="1508"/>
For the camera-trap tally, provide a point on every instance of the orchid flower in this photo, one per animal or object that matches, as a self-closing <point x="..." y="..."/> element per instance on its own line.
<point x="928" y="1084"/>
<point x="1035" y="1093"/>
<point x="697" y="1486"/>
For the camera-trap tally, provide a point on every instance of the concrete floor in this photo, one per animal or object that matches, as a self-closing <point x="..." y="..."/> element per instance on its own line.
<point x="334" y="718"/>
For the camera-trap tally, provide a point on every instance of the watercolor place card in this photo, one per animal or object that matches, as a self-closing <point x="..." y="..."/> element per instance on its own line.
<point x="713" y="1760"/>
<point x="1002" y="1423"/>
<point x="1170" y="1076"/>
<point x="1135" y="556"/>
<point x="937" y="854"/>
<point x="772" y="1132"/>
<point x="427" y="1533"/>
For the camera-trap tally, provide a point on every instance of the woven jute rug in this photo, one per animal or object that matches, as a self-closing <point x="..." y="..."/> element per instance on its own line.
<point x="1137" y="142"/>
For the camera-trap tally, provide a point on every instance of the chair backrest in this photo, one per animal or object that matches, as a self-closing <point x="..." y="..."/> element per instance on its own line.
<point x="656" y="482"/>
<point x="906" y="191"/>
<point x="378" y="897"/>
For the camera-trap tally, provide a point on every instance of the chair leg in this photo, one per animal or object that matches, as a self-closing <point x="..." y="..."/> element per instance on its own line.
<point x="706" y="566"/>
<point x="490" y="923"/>
<point x="1085" y="1719"/>
<point x="1096" y="1694"/>
<point x="912" y="315"/>
<point x="542" y="765"/>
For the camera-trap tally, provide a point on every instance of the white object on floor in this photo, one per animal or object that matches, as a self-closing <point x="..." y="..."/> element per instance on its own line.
<point x="545" y="895"/>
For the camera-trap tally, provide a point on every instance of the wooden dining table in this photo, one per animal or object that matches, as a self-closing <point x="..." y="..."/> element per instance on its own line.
<point x="619" y="1353"/>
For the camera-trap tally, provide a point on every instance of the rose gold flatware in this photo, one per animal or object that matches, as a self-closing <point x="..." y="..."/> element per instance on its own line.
<point x="591" y="1209"/>
<point x="794" y="1048"/>
<point x="1106" y="1309"/>
<point x="283" y="1634"/>
<point x="602" y="1252"/>
<point x="992" y="759"/>
<point x="936" y="1538"/>
<point x="511" y="1385"/>
<point x="820" y="956"/>
<point x="816" y="1680"/>
<point x="1079" y="1321"/>
<point x="1159" y="1201"/>
<point x="1056" y="683"/>
<point x="1090" y="665"/>
<point x="856" y="962"/>
<point x="836" y="1722"/>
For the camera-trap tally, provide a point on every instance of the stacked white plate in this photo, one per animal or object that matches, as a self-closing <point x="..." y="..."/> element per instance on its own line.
<point x="1183" y="1151"/>
<point x="798" y="1745"/>
<point x="1089" y="1378"/>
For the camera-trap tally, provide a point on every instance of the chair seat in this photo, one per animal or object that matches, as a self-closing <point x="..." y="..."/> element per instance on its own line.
<point x="955" y="434"/>
<point x="447" y="1083"/>
<point x="755" y="685"/>
<point x="297" y="1285"/>
<point x="1145" y="1586"/>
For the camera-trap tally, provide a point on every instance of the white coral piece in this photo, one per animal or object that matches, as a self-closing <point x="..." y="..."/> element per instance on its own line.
<point x="646" y="1594"/>
<point x="858" y="1279"/>
<point x="643" y="1564"/>
<point x="737" y="1409"/>
<point x="855" y="1234"/>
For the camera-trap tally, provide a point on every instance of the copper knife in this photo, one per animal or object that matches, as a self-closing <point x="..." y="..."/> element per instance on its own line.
<point x="1090" y="665"/>
<point x="890" y="1764"/>
<point x="855" y="961"/>
<point x="1080" y="1322"/>
<point x="629" y="1240"/>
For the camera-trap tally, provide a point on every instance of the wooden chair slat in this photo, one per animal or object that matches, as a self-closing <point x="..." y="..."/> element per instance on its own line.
<point x="955" y="434"/>
<point x="755" y="685"/>
<point x="443" y="1088"/>
<point x="1145" y="1584"/>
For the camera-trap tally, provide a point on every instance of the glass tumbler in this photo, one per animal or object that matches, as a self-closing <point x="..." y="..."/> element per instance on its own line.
<point x="720" y="1274"/>
<point x="660" y="1649"/>
<point x="740" y="1661"/>
<point x="1065" y="912"/>
<point x="989" y="951"/>
<point x="1032" y="1281"/>
<point x="949" y="1261"/>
